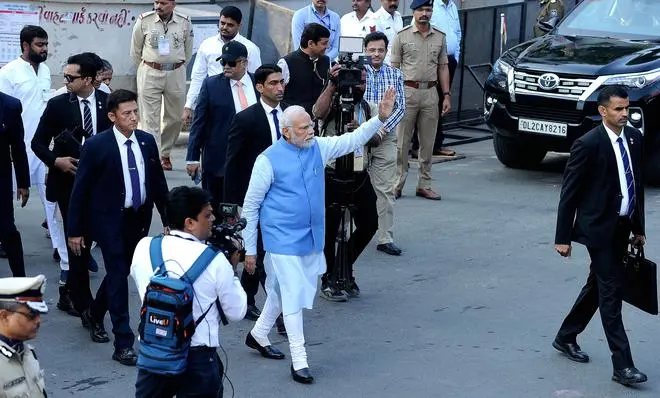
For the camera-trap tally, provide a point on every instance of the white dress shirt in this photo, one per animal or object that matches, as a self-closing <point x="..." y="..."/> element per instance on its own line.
<point x="205" y="64"/>
<point x="624" y="210"/>
<point x="271" y="120"/>
<point x="391" y="24"/>
<point x="139" y="160"/>
<point x="353" y="27"/>
<point x="92" y="109"/>
<point x="217" y="281"/>
<point x="248" y="89"/>
<point x="445" y="18"/>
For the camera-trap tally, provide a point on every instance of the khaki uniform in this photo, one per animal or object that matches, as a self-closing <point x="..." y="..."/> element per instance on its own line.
<point x="549" y="9"/>
<point x="419" y="58"/>
<point x="160" y="51"/>
<point x="20" y="374"/>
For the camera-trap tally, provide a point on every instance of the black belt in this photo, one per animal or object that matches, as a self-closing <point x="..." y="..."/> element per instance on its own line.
<point x="130" y="211"/>
<point x="202" y="348"/>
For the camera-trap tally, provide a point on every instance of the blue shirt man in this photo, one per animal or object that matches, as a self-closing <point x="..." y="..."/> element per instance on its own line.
<point x="445" y="17"/>
<point x="317" y="12"/>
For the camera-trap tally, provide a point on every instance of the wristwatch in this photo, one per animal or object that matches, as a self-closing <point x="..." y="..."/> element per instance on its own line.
<point x="446" y="94"/>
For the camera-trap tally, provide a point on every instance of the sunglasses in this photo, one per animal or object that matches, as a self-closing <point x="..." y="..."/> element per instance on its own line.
<point x="32" y="315"/>
<point x="231" y="64"/>
<point x="71" y="78"/>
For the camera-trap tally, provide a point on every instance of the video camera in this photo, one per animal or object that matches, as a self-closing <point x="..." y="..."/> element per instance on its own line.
<point x="225" y="234"/>
<point x="350" y="74"/>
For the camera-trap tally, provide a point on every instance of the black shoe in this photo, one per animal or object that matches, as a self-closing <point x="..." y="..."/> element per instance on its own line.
<point x="56" y="256"/>
<point x="281" y="329"/>
<point x="353" y="290"/>
<point x="65" y="304"/>
<point x="267" y="352"/>
<point x="252" y="313"/>
<point x="302" y="375"/>
<point x="571" y="350"/>
<point x="125" y="356"/>
<point x="96" y="330"/>
<point x="389" y="248"/>
<point x="333" y="294"/>
<point x="628" y="376"/>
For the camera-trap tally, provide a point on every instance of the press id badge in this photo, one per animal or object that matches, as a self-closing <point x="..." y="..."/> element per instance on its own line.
<point x="163" y="45"/>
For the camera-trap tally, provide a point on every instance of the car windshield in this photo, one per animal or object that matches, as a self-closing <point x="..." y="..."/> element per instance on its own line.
<point x="620" y="19"/>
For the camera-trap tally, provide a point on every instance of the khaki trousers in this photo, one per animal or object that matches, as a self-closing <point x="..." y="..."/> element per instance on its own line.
<point x="162" y="91"/>
<point x="382" y="171"/>
<point x="421" y="112"/>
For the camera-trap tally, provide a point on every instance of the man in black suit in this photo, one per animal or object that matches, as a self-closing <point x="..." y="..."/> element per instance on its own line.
<point x="220" y="98"/>
<point x="12" y="150"/>
<point x="601" y="203"/>
<point x="118" y="181"/>
<point x="70" y="119"/>
<point x="252" y="131"/>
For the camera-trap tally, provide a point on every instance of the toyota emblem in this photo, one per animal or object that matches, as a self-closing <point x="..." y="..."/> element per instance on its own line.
<point x="548" y="81"/>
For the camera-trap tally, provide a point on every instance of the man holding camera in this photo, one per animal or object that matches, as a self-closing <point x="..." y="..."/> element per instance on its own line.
<point x="190" y="218"/>
<point x="287" y="200"/>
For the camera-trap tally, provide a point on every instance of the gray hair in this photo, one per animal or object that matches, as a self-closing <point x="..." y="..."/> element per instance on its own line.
<point x="286" y="120"/>
<point x="106" y="65"/>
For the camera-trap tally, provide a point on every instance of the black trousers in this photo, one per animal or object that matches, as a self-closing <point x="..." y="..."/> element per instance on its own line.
<point x="215" y="186"/>
<point x="603" y="291"/>
<point x="251" y="283"/>
<point x="365" y="216"/>
<point x="77" y="282"/>
<point x="202" y="378"/>
<point x="112" y="295"/>
<point x="9" y="235"/>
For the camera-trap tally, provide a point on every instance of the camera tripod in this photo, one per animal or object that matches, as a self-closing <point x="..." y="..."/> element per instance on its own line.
<point x="344" y="209"/>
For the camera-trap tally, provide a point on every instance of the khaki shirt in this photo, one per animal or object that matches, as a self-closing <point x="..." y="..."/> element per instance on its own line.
<point x="153" y="37"/>
<point x="20" y="375"/>
<point x="418" y="56"/>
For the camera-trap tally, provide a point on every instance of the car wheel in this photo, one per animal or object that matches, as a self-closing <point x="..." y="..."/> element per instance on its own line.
<point x="517" y="155"/>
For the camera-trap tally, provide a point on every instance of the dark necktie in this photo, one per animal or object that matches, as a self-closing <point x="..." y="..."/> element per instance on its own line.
<point x="630" y="180"/>
<point x="135" y="176"/>
<point x="277" y="123"/>
<point x="87" y="118"/>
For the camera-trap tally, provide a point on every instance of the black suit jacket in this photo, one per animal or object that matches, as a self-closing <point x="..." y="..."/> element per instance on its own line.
<point x="12" y="147"/>
<point x="249" y="135"/>
<point x="97" y="199"/>
<point x="212" y="117"/>
<point x="591" y="193"/>
<point x="61" y="113"/>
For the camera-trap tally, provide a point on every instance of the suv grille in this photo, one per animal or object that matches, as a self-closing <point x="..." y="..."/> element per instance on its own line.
<point x="552" y="85"/>
<point x="550" y="113"/>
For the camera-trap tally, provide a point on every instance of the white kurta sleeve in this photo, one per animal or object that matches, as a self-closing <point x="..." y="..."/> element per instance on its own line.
<point x="260" y="181"/>
<point x="285" y="70"/>
<point x="334" y="147"/>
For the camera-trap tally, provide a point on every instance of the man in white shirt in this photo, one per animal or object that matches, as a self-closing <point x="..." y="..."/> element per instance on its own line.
<point x="361" y="21"/>
<point x="390" y="21"/>
<point x="28" y="79"/>
<point x="206" y="63"/>
<point x="190" y="218"/>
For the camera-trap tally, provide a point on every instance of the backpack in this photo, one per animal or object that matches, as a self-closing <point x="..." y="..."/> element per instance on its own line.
<point x="166" y="318"/>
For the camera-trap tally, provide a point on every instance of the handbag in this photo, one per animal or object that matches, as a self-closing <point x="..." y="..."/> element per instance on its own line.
<point x="67" y="144"/>
<point x="640" y="284"/>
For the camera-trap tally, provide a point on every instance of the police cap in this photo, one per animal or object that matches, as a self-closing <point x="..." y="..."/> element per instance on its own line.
<point x="28" y="291"/>
<point x="420" y="3"/>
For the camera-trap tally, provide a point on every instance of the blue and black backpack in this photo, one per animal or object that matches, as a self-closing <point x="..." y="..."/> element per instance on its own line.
<point x="166" y="318"/>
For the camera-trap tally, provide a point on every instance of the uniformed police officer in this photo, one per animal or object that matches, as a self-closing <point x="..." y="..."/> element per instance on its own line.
<point x="161" y="46"/>
<point x="550" y="10"/>
<point x="420" y="52"/>
<point x="21" y="306"/>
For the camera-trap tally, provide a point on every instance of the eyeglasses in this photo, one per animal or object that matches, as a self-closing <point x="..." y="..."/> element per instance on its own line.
<point x="231" y="64"/>
<point x="32" y="315"/>
<point x="71" y="78"/>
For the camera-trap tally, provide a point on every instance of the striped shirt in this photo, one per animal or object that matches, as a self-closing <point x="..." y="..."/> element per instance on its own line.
<point x="378" y="81"/>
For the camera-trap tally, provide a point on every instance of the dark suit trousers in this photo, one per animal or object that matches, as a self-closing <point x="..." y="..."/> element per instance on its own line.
<point x="251" y="283"/>
<point x="365" y="216"/>
<point x="9" y="235"/>
<point x="112" y="295"/>
<point x="603" y="291"/>
<point x="77" y="282"/>
<point x="215" y="186"/>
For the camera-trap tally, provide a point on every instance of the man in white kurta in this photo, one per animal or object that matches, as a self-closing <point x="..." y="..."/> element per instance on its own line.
<point x="286" y="197"/>
<point x="28" y="79"/>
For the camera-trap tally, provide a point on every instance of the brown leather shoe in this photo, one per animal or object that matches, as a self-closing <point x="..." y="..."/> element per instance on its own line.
<point x="444" y="152"/>
<point x="166" y="163"/>
<point x="427" y="193"/>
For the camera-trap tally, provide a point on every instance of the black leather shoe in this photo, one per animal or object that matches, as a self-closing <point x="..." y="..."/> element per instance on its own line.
<point x="302" y="375"/>
<point x="125" y="356"/>
<point x="571" y="350"/>
<point x="252" y="313"/>
<point x="65" y="304"/>
<point x="628" y="376"/>
<point x="56" y="256"/>
<point x="267" y="352"/>
<point x="281" y="329"/>
<point x="389" y="248"/>
<point x="96" y="330"/>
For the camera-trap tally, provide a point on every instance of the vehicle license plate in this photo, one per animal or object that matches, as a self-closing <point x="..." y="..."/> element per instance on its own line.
<point x="542" y="127"/>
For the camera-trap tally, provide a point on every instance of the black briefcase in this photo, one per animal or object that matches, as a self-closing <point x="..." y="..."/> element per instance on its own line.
<point x="640" y="284"/>
<point x="68" y="143"/>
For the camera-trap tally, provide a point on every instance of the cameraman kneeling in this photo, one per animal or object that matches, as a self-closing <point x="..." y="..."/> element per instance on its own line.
<point x="353" y="189"/>
<point x="190" y="218"/>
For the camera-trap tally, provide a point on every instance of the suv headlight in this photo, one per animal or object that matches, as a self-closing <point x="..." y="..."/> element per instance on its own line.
<point x="636" y="80"/>
<point x="501" y="68"/>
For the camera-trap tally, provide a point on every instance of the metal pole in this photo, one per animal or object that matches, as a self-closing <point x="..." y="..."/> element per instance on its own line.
<point x="253" y="5"/>
<point x="462" y="68"/>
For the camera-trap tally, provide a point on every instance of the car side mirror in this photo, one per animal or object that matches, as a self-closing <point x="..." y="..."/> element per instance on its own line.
<point x="547" y="26"/>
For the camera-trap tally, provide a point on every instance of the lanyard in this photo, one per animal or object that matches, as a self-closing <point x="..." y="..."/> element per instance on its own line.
<point x="327" y="25"/>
